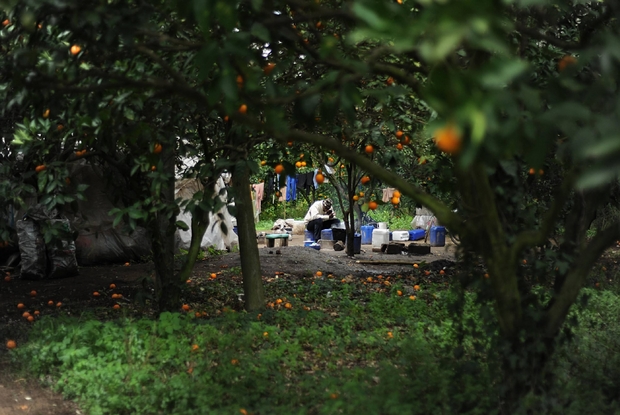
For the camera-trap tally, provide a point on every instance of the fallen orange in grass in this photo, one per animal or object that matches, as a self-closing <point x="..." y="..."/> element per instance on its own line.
<point x="319" y="273"/>
<point x="412" y="297"/>
<point x="234" y="362"/>
<point x="399" y="293"/>
<point x="26" y="314"/>
<point x="288" y="305"/>
<point x="11" y="344"/>
<point x="112" y="286"/>
<point x="20" y="306"/>
<point x="33" y="293"/>
<point x="116" y="306"/>
<point x="59" y="304"/>
<point x="36" y="312"/>
<point x="30" y="319"/>
<point x="416" y="266"/>
<point x="50" y="302"/>
<point x="213" y="275"/>
<point x="416" y="287"/>
<point x="96" y="294"/>
<point x="390" y="335"/>
<point x="195" y="347"/>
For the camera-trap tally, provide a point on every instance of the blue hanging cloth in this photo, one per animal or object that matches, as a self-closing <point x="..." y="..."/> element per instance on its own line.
<point x="291" y="188"/>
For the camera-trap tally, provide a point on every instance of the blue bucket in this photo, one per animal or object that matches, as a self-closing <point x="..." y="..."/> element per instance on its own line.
<point x="366" y="238"/>
<point x="308" y="236"/>
<point x="357" y="243"/>
<point x="438" y="236"/>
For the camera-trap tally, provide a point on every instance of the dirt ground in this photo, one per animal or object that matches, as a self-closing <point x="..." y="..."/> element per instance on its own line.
<point x="21" y="395"/>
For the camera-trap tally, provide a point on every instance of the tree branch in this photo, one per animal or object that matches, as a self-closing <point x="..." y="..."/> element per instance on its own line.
<point x="562" y="300"/>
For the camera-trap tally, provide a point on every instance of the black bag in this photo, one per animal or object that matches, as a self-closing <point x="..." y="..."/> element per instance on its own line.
<point x="31" y="249"/>
<point x="61" y="254"/>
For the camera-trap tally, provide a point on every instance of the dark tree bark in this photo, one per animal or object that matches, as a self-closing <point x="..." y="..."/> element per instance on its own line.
<point x="248" y="249"/>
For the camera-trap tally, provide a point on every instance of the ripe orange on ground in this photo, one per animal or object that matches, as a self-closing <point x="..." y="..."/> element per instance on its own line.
<point x="26" y="314"/>
<point x="75" y="49"/>
<point x="96" y="294"/>
<point x="20" y="306"/>
<point x="58" y="304"/>
<point x="278" y="169"/>
<point x="532" y="171"/>
<point x="7" y="278"/>
<point x="427" y="273"/>
<point x="265" y="334"/>
<point x="243" y="109"/>
<point x="112" y="286"/>
<point x="269" y="68"/>
<point x="36" y="312"/>
<point x="33" y="293"/>
<point x="320" y="179"/>
<point x="442" y="272"/>
<point x="416" y="266"/>
<point x="399" y="293"/>
<point x="50" y="302"/>
<point x="11" y="344"/>
<point x="416" y="287"/>
<point x="234" y="362"/>
<point x="185" y="307"/>
<point x="243" y="411"/>
<point x="369" y="149"/>
<point x="40" y="168"/>
<point x="30" y="319"/>
<point x="288" y="305"/>
<point x="448" y="139"/>
<point x="279" y="301"/>
<point x="213" y="275"/>
<point x="412" y="297"/>
<point x="195" y="347"/>
<point x="116" y="307"/>
<point x="390" y="335"/>
<point x="197" y="314"/>
<point x="372" y="205"/>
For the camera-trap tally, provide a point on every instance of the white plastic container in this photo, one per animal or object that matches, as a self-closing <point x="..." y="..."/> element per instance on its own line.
<point x="380" y="237"/>
<point x="382" y="225"/>
<point x="400" y="236"/>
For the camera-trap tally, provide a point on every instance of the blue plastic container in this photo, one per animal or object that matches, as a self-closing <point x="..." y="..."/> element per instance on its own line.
<point x="438" y="236"/>
<point x="366" y="237"/>
<point x="357" y="243"/>
<point x="326" y="235"/>
<point x="308" y="236"/>
<point x="416" y="234"/>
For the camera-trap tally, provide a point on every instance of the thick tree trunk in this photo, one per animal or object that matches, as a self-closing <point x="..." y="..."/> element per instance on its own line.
<point x="248" y="249"/>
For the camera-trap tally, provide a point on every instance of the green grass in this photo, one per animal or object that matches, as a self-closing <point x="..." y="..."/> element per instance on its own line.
<point x="344" y="347"/>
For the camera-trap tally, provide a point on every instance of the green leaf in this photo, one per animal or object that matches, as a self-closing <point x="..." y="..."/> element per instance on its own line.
<point x="260" y="32"/>
<point x="182" y="225"/>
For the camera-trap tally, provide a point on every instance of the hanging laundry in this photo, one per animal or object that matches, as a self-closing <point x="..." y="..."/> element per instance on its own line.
<point x="387" y="194"/>
<point x="291" y="188"/>
<point x="259" y="188"/>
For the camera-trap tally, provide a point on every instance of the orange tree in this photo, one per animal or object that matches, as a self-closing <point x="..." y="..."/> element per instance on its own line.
<point x="511" y="88"/>
<point x="85" y="90"/>
<point x="508" y="86"/>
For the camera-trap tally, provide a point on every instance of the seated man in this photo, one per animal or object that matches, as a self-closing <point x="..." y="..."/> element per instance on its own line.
<point x="320" y="216"/>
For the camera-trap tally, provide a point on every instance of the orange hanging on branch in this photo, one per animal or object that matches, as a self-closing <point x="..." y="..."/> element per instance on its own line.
<point x="448" y="139"/>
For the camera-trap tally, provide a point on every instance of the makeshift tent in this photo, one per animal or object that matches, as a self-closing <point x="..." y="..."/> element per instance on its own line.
<point x="214" y="235"/>
<point x="97" y="240"/>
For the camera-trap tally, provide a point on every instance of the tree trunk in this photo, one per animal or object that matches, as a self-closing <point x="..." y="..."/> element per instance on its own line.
<point x="200" y="222"/>
<point x="162" y="229"/>
<point x="248" y="249"/>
